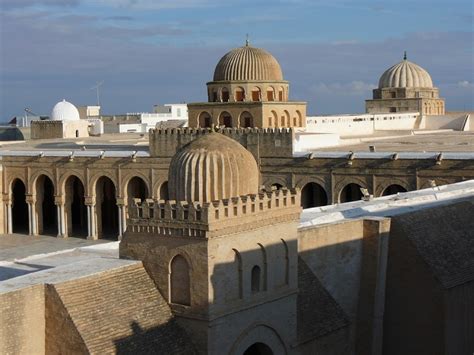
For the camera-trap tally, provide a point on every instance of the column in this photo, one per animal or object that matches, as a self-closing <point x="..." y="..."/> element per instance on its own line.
<point x="8" y="219"/>
<point x="91" y="218"/>
<point x="120" y="226"/>
<point x="59" y="202"/>
<point x="32" y="225"/>
<point x="121" y="216"/>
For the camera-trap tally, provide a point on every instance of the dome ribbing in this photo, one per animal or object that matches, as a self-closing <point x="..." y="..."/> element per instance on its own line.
<point x="404" y="75"/>
<point x="210" y="168"/>
<point x="248" y="64"/>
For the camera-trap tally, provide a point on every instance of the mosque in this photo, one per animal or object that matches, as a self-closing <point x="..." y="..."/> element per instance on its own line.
<point x="235" y="235"/>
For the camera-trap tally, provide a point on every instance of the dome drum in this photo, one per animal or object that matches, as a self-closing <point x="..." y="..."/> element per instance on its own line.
<point x="237" y="91"/>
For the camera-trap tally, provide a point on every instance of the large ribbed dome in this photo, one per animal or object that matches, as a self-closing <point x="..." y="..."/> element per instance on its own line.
<point x="246" y="64"/>
<point x="211" y="168"/>
<point x="405" y="74"/>
<point x="64" y="111"/>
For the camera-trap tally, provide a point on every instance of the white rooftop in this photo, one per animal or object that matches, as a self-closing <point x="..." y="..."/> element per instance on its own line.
<point x="388" y="205"/>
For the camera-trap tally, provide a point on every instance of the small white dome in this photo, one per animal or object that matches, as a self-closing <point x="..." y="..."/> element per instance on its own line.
<point x="404" y="75"/>
<point x="64" y="111"/>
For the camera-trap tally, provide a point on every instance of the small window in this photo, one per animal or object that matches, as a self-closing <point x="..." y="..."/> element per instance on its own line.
<point x="256" y="279"/>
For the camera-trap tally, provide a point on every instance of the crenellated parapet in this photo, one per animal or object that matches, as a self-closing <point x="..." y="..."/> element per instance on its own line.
<point x="206" y="220"/>
<point x="261" y="142"/>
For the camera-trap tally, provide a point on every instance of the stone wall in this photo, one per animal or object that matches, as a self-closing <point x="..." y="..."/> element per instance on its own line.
<point x="46" y="129"/>
<point x="349" y="259"/>
<point x="260" y="142"/>
<point x="22" y="325"/>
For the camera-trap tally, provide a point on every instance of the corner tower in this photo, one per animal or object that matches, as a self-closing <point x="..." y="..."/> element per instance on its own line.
<point x="248" y="90"/>
<point x="225" y="256"/>
<point x="406" y="87"/>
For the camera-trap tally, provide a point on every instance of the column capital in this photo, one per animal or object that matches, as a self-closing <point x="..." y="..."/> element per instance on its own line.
<point x="30" y="198"/>
<point x="120" y="201"/>
<point x="89" y="200"/>
<point x="59" y="200"/>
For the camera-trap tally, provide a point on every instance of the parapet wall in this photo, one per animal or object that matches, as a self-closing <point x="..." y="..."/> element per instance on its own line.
<point x="261" y="142"/>
<point x="46" y="129"/>
<point x="183" y="219"/>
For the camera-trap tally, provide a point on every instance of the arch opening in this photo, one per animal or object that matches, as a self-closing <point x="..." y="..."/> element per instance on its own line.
<point x="107" y="210"/>
<point x="180" y="282"/>
<point x="164" y="191"/>
<point x="313" y="195"/>
<point x="258" y="349"/>
<point x="19" y="207"/>
<point x="393" y="190"/>
<point x="136" y="188"/>
<point x="276" y="187"/>
<point x="256" y="94"/>
<point x="225" y="95"/>
<point x="350" y="192"/>
<point x="45" y="207"/>
<point x="225" y="119"/>
<point x="205" y="120"/>
<point x="239" y="94"/>
<point x="76" y="211"/>
<point x="246" y="120"/>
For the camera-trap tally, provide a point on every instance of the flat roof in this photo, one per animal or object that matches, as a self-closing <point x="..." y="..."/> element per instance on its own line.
<point x="416" y="141"/>
<point x="387" y="206"/>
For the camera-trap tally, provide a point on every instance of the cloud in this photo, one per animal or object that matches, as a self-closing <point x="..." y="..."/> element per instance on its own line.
<point x="45" y="57"/>
<point x="465" y="84"/>
<point x="352" y="88"/>
<point x="153" y="4"/>
<point x="18" y="4"/>
<point x="119" y="18"/>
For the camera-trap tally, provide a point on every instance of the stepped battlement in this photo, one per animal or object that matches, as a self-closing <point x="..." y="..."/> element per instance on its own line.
<point x="180" y="218"/>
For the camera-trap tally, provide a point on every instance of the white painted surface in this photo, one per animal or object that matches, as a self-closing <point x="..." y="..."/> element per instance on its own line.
<point x="388" y="205"/>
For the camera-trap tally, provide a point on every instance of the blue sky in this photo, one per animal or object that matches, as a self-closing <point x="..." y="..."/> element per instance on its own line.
<point x="153" y="52"/>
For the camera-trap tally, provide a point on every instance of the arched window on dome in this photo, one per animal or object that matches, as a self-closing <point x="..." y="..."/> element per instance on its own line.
<point x="256" y="94"/>
<point x="215" y="96"/>
<point x="280" y="94"/>
<point x="180" y="281"/>
<point x="225" y="95"/>
<point x="287" y="118"/>
<point x="205" y="120"/>
<point x="239" y="94"/>
<point x="225" y="119"/>
<point x="300" y="118"/>
<point x="270" y="94"/>
<point x="246" y="120"/>
<point x="272" y="121"/>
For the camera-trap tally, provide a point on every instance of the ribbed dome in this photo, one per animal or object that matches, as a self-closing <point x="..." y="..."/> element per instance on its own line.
<point x="405" y="74"/>
<point x="211" y="168"/>
<point x="64" y="111"/>
<point x="247" y="64"/>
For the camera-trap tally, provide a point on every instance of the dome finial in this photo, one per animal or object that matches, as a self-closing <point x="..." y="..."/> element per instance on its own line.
<point x="247" y="40"/>
<point x="405" y="55"/>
